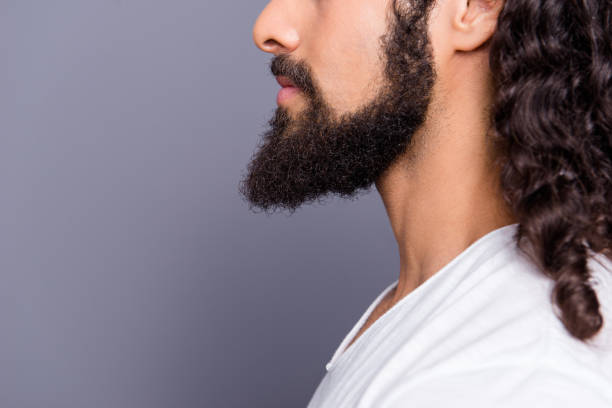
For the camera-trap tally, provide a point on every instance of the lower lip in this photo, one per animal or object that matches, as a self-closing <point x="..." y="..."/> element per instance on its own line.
<point x="286" y="93"/>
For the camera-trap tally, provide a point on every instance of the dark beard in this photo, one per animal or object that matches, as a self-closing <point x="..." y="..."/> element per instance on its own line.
<point x="303" y="159"/>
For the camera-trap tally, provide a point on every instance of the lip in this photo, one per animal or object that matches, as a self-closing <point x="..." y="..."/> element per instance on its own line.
<point x="284" y="81"/>
<point x="287" y="91"/>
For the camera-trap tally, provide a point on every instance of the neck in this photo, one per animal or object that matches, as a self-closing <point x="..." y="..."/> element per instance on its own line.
<point x="444" y="193"/>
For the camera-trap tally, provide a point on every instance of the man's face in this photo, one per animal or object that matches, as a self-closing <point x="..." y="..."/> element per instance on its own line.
<point x="365" y="73"/>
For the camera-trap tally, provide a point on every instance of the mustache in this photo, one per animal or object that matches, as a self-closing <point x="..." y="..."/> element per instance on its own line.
<point x="297" y="71"/>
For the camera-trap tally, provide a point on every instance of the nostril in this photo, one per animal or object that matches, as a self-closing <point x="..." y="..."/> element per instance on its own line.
<point x="271" y="44"/>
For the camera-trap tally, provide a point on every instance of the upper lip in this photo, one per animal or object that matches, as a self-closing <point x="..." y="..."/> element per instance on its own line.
<point x="284" y="81"/>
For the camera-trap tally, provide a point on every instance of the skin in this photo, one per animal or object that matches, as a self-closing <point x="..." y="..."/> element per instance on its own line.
<point x="443" y="194"/>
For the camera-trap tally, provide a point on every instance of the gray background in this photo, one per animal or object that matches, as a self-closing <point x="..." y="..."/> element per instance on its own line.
<point x="133" y="274"/>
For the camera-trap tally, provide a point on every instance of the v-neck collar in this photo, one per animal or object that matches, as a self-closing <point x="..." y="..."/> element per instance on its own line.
<point x="341" y="353"/>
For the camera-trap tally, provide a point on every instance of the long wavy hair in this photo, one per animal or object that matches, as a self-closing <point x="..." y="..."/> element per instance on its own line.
<point x="551" y="61"/>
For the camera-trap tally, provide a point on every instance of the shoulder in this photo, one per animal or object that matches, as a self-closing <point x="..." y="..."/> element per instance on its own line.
<point x="544" y="386"/>
<point x="549" y="369"/>
<point x="518" y="355"/>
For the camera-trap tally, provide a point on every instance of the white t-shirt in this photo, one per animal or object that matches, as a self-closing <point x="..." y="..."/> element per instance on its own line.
<point x="481" y="332"/>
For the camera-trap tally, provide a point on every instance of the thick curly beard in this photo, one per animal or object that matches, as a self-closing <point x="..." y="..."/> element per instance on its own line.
<point x="305" y="158"/>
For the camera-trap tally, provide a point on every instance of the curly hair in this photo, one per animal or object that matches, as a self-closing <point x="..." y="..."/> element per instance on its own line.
<point x="551" y="61"/>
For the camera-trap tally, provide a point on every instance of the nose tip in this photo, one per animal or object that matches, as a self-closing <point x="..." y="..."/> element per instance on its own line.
<point x="258" y="42"/>
<point x="273" y="31"/>
<point x="277" y="44"/>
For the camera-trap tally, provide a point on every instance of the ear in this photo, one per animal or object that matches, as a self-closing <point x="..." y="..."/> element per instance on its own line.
<point x="473" y="22"/>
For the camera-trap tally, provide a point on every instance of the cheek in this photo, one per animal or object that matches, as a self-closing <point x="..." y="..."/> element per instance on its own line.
<point x="346" y="56"/>
<point x="439" y="39"/>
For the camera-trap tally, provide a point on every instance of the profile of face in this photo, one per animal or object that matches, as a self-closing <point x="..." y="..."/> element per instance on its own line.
<point x="365" y="75"/>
